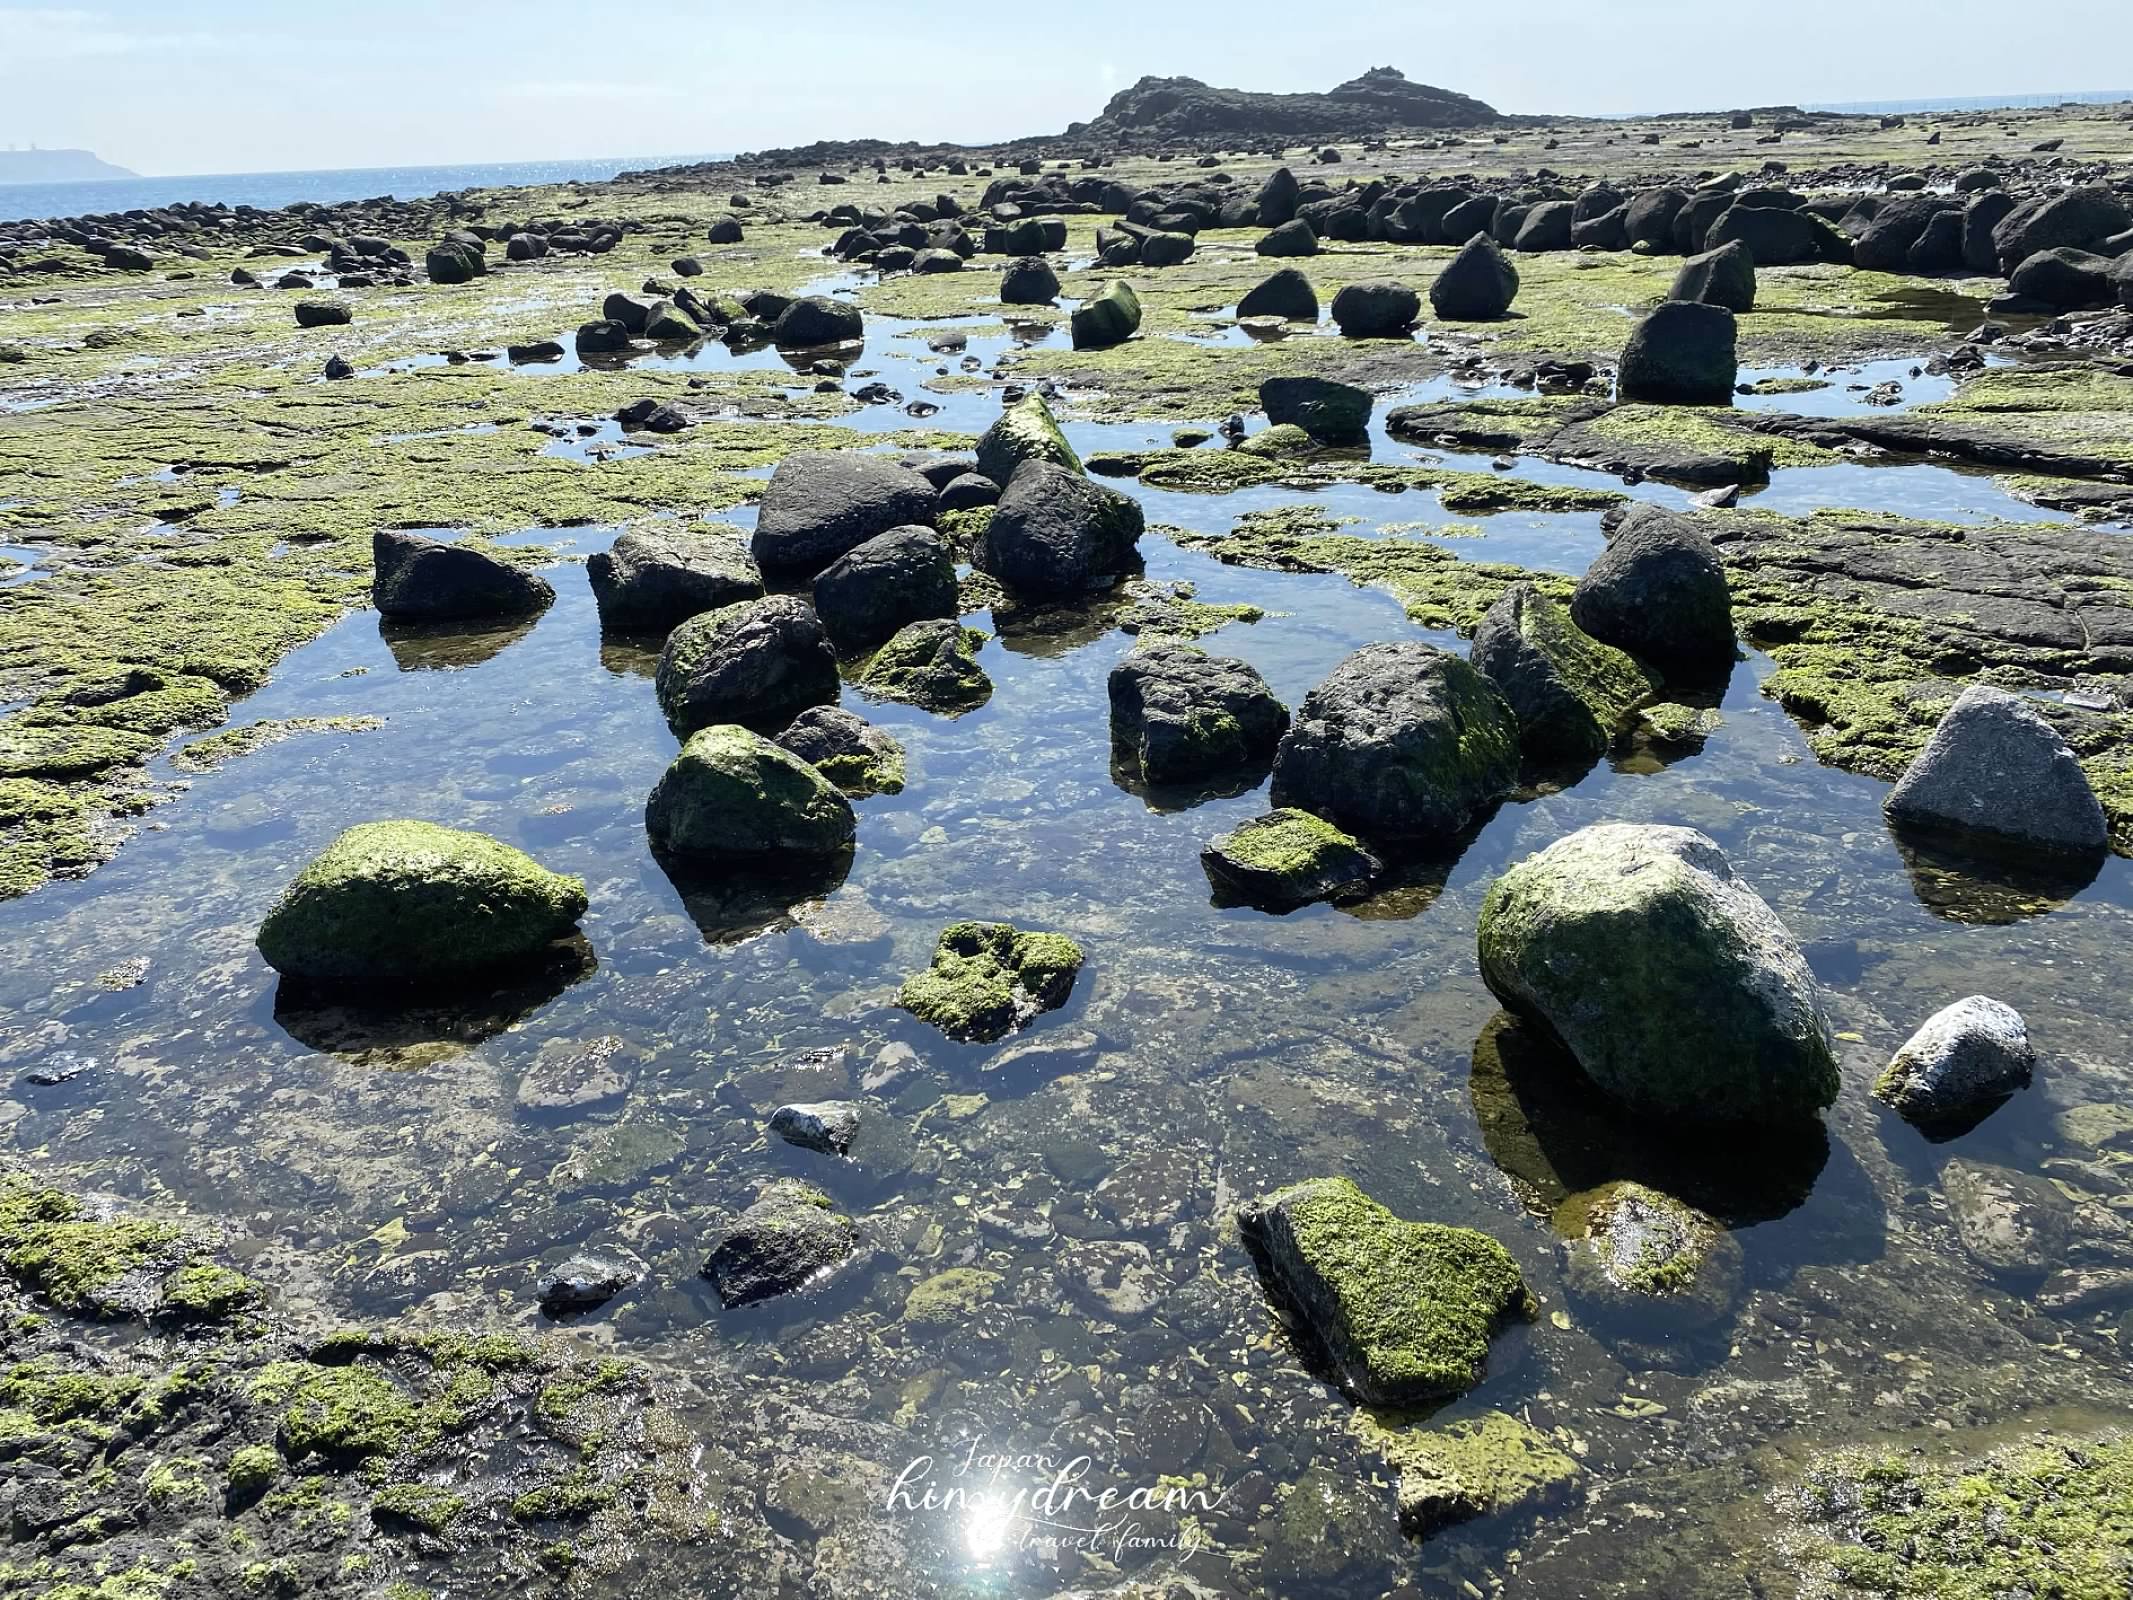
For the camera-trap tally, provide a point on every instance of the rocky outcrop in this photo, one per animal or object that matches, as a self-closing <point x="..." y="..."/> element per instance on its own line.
<point x="1569" y="691"/>
<point x="1158" y="110"/>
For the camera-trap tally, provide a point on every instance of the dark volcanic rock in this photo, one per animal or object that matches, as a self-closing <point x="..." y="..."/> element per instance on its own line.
<point x="1681" y="354"/>
<point x="1477" y="285"/>
<point x="758" y="663"/>
<point x="1331" y="413"/>
<point x="2071" y="280"/>
<point x="1186" y="109"/>
<point x="1286" y="859"/>
<point x="819" y="320"/>
<point x="2079" y="219"/>
<point x="904" y="575"/>
<point x="1401" y="741"/>
<point x="1292" y="238"/>
<point x="822" y="503"/>
<point x="791" y="1236"/>
<point x="1721" y="277"/>
<point x="1659" y="592"/>
<point x="655" y="578"/>
<point x="1995" y="767"/>
<point x="1376" y="308"/>
<point x="1287" y="294"/>
<point x="419" y="579"/>
<point x="1029" y="281"/>
<point x="1183" y="714"/>
<point x="1056" y="534"/>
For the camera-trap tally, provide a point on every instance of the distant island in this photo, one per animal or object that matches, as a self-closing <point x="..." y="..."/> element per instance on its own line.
<point x="57" y="166"/>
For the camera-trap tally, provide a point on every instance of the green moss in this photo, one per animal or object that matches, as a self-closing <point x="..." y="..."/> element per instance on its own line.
<point x="564" y="1394"/>
<point x="39" y="1395"/>
<point x="2049" y="1517"/>
<point x="175" y="1484"/>
<point x="573" y="1498"/>
<point x="1483" y="1466"/>
<point x="1292" y="847"/>
<point x="252" y="1468"/>
<point x="1697" y="428"/>
<point x="422" y="1506"/>
<point x="1026" y="431"/>
<point x="343" y="1413"/>
<point x="50" y="1242"/>
<point x="950" y="1299"/>
<point x="930" y="664"/>
<point x="204" y="1292"/>
<point x="989" y="978"/>
<point x="1407" y="1309"/>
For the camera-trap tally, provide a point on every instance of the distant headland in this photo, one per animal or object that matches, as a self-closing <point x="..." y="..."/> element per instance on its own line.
<point x="57" y="166"/>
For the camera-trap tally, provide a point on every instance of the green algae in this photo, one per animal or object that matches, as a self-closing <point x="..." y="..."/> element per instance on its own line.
<point x="933" y="665"/>
<point x="252" y="1468"/>
<point x="1490" y="1465"/>
<point x="1026" y="431"/>
<point x="422" y="1506"/>
<point x="2049" y="1516"/>
<point x="343" y="1413"/>
<point x="55" y="1246"/>
<point x="201" y="1291"/>
<point x="989" y="978"/>
<point x="205" y="755"/>
<point x="950" y="1299"/>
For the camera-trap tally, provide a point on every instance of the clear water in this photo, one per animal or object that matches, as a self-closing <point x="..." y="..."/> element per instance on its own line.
<point x="378" y="1158"/>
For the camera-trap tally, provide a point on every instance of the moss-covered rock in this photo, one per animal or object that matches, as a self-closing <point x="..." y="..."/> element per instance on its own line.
<point x="950" y="1299"/>
<point x="734" y="794"/>
<point x="1404" y="1311"/>
<point x="1674" y="985"/>
<point x="1570" y="692"/>
<point x="1111" y="317"/>
<point x="1485" y="1466"/>
<point x="791" y="1236"/>
<point x="1288" y="858"/>
<point x="990" y="978"/>
<point x="1645" y="1263"/>
<point x="413" y="900"/>
<point x="933" y="665"/>
<point x="1026" y="431"/>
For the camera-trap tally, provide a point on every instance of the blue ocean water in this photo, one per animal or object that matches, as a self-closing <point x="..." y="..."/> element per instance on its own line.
<point x="272" y="189"/>
<point x="1989" y="102"/>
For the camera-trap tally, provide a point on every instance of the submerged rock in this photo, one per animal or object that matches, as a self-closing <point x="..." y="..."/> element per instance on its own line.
<point x="1569" y="691"/>
<point x="821" y="503"/>
<point x="1646" y="1263"/>
<point x="1404" y="1311"/>
<point x="1026" y="431"/>
<point x="1477" y="285"/>
<point x="1183" y="713"/>
<point x="1995" y="768"/>
<point x="828" y="1125"/>
<point x="1401" y="741"/>
<point x="1056" y="534"/>
<point x="1331" y="413"/>
<point x="733" y="794"/>
<point x="848" y="750"/>
<point x="1112" y="317"/>
<point x="1486" y="1466"/>
<point x="1659" y="592"/>
<point x="1376" y="308"/>
<point x="1682" y="354"/>
<point x="933" y="665"/>
<point x="1287" y="859"/>
<point x="2012" y="1224"/>
<point x="1965" y="1060"/>
<point x="1675" y="987"/>
<point x="990" y="978"/>
<point x="657" y="578"/>
<point x="790" y="1237"/>
<point x="582" y="1283"/>
<point x="420" y="579"/>
<point x="759" y="663"/>
<point x="902" y="576"/>
<point x="411" y="900"/>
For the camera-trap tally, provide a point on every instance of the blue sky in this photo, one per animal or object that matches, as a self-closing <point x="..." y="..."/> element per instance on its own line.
<point x="251" y="85"/>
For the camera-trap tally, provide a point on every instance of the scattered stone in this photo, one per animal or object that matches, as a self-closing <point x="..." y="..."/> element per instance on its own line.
<point x="988" y="979"/>
<point x="1292" y="238"/>
<point x="1029" y="281"/>
<point x="1569" y="691"/>
<point x="1966" y="1060"/>
<point x="1477" y="285"/>
<point x="1183" y="714"/>
<point x="1056" y="534"/>
<point x="323" y="314"/>
<point x="1116" y="1280"/>
<point x="1682" y="354"/>
<point x="1026" y="431"/>
<point x="1400" y="742"/>
<point x="1672" y="984"/>
<point x="758" y="662"/>
<point x="420" y="579"/>
<point x="822" y="503"/>
<point x="827" y="1125"/>
<point x="454" y="261"/>
<point x="1404" y="1311"/>
<point x="932" y="665"/>
<point x="902" y="576"/>
<point x="576" y="1075"/>
<point x="1995" y="768"/>
<point x="655" y="578"/>
<point x="1287" y="294"/>
<point x="732" y="794"/>
<point x="1376" y="308"/>
<point x="851" y="752"/>
<point x="791" y="1237"/>
<point x="818" y="320"/>
<point x="583" y="1283"/>
<point x="1487" y="1466"/>
<point x="1112" y="317"/>
<point x="411" y="900"/>
<point x="1331" y="413"/>
<point x="1286" y="859"/>
<point x="1659" y="592"/>
<point x="1646" y="1264"/>
<point x="1722" y="277"/>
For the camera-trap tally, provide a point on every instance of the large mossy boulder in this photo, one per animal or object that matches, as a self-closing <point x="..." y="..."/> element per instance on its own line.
<point x="759" y="663"/>
<point x="1287" y="859"/>
<point x="818" y="320"/>
<point x="1026" y="431"/>
<point x="1403" y="1311"/>
<point x="419" y="579"/>
<point x="733" y="794"/>
<point x="656" y="578"/>
<point x="990" y="978"/>
<point x="1569" y="691"/>
<point x="412" y="900"/>
<point x="1672" y="984"/>
<point x="1112" y="317"/>
<point x="1400" y="742"/>
<point x="1056" y="534"/>
<point x="790" y="1237"/>
<point x="1180" y="713"/>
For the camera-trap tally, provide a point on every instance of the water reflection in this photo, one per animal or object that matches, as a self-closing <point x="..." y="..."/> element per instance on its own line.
<point x="449" y="646"/>
<point x="1963" y="880"/>
<point x="409" y="1025"/>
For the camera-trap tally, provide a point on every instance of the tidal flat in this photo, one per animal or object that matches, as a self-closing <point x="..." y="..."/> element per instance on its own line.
<point x="273" y="1316"/>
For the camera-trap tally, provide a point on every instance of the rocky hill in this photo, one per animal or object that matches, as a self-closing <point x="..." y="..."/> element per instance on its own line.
<point x="1380" y="101"/>
<point x="56" y="166"/>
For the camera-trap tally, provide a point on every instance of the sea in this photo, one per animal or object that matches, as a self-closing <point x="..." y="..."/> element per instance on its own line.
<point x="269" y="190"/>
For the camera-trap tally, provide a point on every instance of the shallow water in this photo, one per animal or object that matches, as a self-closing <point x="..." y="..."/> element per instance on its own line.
<point x="381" y="1160"/>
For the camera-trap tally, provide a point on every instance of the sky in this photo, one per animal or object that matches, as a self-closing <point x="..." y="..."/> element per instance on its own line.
<point x="213" y="86"/>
